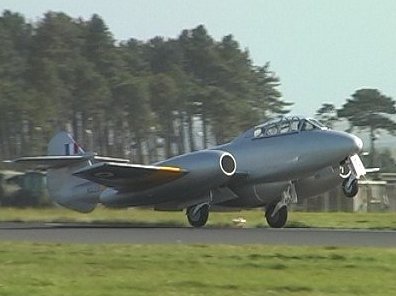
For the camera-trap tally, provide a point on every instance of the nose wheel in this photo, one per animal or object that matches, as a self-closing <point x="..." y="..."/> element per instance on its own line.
<point x="198" y="215"/>
<point x="350" y="187"/>
<point x="351" y="170"/>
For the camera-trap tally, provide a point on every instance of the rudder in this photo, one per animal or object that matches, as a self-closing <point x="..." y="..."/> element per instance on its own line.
<point x="63" y="144"/>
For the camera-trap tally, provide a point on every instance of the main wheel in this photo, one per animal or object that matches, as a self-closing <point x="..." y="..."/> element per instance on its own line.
<point x="279" y="219"/>
<point x="198" y="215"/>
<point x="352" y="189"/>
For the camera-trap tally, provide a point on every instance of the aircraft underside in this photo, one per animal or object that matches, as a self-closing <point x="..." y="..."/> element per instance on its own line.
<point x="276" y="197"/>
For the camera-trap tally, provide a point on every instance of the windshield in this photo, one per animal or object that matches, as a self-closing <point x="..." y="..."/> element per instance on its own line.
<point x="286" y="125"/>
<point x="317" y="123"/>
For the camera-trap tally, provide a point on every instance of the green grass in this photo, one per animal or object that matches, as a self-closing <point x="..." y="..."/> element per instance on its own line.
<point x="66" y="269"/>
<point x="255" y="218"/>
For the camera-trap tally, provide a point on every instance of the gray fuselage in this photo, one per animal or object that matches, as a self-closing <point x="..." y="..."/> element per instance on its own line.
<point x="265" y="166"/>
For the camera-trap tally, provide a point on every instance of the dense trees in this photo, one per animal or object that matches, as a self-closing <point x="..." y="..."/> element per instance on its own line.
<point x="140" y="99"/>
<point x="327" y="114"/>
<point x="123" y="97"/>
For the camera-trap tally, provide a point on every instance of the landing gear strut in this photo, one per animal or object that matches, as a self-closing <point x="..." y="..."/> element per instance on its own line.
<point x="198" y="215"/>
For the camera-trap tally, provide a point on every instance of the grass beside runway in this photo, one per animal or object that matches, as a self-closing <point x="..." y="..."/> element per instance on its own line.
<point x="67" y="269"/>
<point x="255" y="218"/>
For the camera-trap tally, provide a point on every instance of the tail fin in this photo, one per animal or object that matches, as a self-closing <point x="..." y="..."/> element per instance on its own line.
<point x="67" y="190"/>
<point x="64" y="158"/>
<point x="63" y="144"/>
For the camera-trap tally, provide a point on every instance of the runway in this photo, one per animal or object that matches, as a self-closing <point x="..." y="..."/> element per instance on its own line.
<point x="91" y="233"/>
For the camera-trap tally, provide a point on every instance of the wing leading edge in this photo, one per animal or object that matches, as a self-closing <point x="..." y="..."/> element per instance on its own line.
<point x="129" y="176"/>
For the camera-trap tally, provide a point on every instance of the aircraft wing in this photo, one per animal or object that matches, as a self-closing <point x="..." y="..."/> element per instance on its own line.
<point x="129" y="176"/>
<point x="110" y="159"/>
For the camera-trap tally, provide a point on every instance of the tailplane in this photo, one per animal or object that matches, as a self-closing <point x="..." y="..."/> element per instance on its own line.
<point x="64" y="158"/>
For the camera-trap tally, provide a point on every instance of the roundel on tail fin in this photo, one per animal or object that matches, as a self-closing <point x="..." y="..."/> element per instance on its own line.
<point x="64" y="144"/>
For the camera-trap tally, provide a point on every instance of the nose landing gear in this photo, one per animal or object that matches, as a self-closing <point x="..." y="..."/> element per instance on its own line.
<point x="351" y="171"/>
<point x="350" y="187"/>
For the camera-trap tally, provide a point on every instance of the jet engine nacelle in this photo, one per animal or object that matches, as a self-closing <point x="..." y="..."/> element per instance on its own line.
<point x="206" y="169"/>
<point x="214" y="162"/>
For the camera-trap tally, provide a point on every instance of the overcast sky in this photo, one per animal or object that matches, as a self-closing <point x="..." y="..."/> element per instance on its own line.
<point x="322" y="50"/>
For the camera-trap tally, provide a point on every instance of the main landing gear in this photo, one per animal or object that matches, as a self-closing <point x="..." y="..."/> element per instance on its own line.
<point x="198" y="215"/>
<point x="276" y="213"/>
<point x="276" y="219"/>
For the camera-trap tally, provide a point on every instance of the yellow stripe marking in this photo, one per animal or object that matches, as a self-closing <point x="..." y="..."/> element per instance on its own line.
<point x="170" y="169"/>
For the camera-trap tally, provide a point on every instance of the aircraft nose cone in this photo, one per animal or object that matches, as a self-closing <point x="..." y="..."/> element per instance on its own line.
<point x="355" y="144"/>
<point x="358" y="143"/>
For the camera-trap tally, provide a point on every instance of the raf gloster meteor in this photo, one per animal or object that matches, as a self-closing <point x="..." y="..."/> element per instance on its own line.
<point x="270" y="166"/>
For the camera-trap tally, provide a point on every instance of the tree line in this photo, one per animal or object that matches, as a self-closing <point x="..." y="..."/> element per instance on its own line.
<point x="127" y="98"/>
<point x="370" y="111"/>
<point x="68" y="73"/>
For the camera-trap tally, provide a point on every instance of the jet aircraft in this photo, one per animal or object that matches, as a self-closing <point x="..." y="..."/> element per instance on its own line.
<point x="270" y="165"/>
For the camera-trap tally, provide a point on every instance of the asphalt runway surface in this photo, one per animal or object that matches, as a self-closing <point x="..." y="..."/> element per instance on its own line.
<point x="91" y="233"/>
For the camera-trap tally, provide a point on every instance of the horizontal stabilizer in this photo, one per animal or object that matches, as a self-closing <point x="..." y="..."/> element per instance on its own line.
<point x="129" y="176"/>
<point x="58" y="161"/>
<point x="47" y="162"/>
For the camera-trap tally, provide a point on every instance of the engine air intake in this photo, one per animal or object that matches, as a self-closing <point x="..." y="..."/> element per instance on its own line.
<point x="228" y="164"/>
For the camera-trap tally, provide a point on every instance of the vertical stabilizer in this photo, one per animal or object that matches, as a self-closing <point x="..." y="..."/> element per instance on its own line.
<point x="63" y="144"/>
<point x="64" y="158"/>
<point x="67" y="190"/>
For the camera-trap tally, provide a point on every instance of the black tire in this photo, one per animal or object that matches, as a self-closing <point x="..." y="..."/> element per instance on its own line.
<point x="280" y="218"/>
<point x="353" y="190"/>
<point x="201" y="216"/>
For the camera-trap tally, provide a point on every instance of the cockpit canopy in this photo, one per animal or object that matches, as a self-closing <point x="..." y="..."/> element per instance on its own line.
<point x="286" y="125"/>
